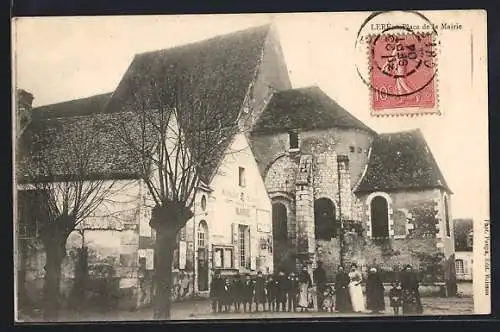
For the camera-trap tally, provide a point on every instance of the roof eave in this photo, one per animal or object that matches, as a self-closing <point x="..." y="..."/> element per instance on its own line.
<point x="401" y="188"/>
<point x="90" y="177"/>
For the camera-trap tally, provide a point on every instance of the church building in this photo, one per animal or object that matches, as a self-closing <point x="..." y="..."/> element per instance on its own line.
<point x="341" y="193"/>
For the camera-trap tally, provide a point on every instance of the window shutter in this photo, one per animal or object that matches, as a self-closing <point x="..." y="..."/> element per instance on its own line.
<point x="236" y="242"/>
<point x="252" y="245"/>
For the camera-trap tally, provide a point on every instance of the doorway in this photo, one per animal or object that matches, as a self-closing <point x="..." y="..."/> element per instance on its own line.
<point x="202" y="256"/>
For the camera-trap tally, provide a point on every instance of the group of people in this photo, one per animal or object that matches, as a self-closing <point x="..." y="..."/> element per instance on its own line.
<point x="271" y="293"/>
<point x="267" y="293"/>
<point x="295" y="292"/>
<point x="404" y="296"/>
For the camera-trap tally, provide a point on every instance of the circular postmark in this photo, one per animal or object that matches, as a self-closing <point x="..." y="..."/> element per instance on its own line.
<point x="407" y="61"/>
<point x="397" y="59"/>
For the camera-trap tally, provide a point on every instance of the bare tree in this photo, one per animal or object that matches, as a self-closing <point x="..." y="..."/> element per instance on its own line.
<point x="58" y="163"/>
<point x="178" y="132"/>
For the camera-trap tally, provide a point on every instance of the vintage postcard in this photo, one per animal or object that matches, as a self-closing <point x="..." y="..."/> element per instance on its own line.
<point x="251" y="166"/>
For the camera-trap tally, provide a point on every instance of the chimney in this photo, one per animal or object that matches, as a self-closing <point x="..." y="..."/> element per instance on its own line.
<point x="24" y="102"/>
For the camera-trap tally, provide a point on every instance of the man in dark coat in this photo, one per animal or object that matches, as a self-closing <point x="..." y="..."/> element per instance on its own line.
<point x="260" y="291"/>
<point x="271" y="290"/>
<point x="411" y="295"/>
<point x="217" y="292"/>
<point x="292" y="288"/>
<point x="248" y="290"/>
<point x="342" y="298"/>
<point x="319" y="276"/>
<point x="227" y="295"/>
<point x="237" y="292"/>
<point x="374" y="292"/>
<point x="281" y="285"/>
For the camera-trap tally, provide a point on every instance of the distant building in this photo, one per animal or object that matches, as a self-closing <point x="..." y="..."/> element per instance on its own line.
<point x="463" y="229"/>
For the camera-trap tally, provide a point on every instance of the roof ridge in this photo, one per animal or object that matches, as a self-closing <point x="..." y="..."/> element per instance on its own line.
<point x="414" y="130"/>
<point x="207" y="40"/>
<point x="73" y="100"/>
<point x="336" y="103"/>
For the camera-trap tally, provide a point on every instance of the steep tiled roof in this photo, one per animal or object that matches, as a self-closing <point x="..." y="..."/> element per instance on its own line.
<point x="305" y="108"/>
<point x="81" y="106"/>
<point x="211" y="76"/>
<point x="208" y="79"/>
<point x="401" y="160"/>
<point x="55" y="148"/>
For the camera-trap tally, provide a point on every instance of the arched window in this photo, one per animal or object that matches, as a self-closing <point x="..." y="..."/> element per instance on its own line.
<point x="202" y="234"/>
<point x="325" y="223"/>
<point x="280" y="220"/>
<point x="446" y="216"/>
<point x="379" y="217"/>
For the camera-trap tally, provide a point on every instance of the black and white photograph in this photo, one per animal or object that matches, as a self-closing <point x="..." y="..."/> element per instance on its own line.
<point x="250" y="166"/>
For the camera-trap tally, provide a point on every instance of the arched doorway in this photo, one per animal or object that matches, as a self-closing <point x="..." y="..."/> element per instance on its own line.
<point x="379" y="217"/>
<point x="280" y="234"/>
<point x="202" y="238"/>
<point x="326" y="225"/>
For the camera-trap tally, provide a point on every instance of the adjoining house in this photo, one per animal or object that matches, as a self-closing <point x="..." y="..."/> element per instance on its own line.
<point x="463" y="229"/>
<point x="302" y="172"/>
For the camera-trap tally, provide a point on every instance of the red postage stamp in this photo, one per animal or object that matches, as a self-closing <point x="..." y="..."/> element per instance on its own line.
<point x="403" y="73"/>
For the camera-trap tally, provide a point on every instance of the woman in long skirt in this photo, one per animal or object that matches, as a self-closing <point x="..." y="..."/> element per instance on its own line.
<point x="305" y="283"/>
<point x="374" y="292"/>
<point x="355" y="290"/>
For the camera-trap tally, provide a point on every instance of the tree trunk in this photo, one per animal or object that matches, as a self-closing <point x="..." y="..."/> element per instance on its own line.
<point x="164" y="252"/>
<point x="55" y="248"/>
<point x="81" y="275"/>
<point x="23" y="301"/>
<point x="167" y="221"/>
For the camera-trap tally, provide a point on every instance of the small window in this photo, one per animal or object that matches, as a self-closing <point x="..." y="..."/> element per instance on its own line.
<point x="202" y="234"/>
<point x="241" y="177"/>
<point x="203" y="203"/>
<point x="360" y="150"/>
<point x="459" y="266"/>
<point x="293" y="137"/>
<point x="352" y="149"/>
<point x="223" y="258"/>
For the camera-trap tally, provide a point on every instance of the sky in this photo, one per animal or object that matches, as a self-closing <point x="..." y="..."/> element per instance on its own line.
<point x="59" y="59"/>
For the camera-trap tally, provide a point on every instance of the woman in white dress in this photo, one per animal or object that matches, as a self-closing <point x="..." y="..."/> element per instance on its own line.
<point x="355" y="290"/>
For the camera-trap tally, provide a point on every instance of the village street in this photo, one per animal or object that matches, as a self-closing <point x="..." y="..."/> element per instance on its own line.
<point x="201" y="309"/>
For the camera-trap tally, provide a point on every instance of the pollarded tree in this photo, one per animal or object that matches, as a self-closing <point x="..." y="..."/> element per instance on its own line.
<point x="58" y="162"/>
<point x="175" y="131"/>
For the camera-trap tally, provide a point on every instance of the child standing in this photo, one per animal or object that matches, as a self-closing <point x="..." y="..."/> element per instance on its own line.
<point x="328" y="300"/>
<point x="395" y="297"/>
